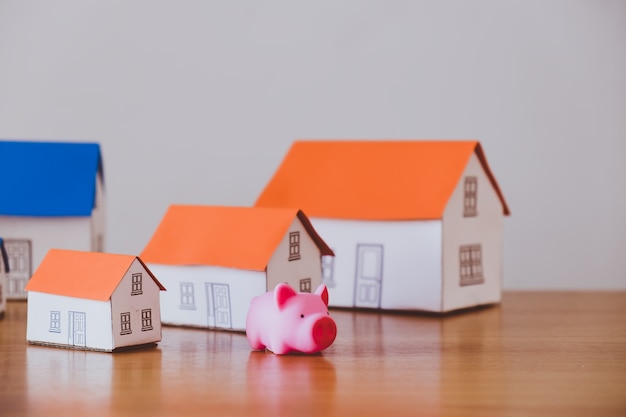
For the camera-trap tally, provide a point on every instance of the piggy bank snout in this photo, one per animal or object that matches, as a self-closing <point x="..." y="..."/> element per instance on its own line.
<point x="324" y="332"/>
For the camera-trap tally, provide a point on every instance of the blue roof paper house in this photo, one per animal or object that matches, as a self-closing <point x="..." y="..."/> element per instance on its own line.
<point x="53" y="196"/>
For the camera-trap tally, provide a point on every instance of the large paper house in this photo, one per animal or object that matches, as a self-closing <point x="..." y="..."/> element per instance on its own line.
<point x="415" y="225"/>
<point x="215" y="259"/>
<point x="94" y="301"/>
<point x="4" y="270"/>
<point x="52" y="197"/>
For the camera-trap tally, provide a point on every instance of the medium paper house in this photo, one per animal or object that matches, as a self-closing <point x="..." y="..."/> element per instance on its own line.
<point x="4" y="270"/>
<point x="415" y="225"/>
<point x="52" y="196"/>
<point x="215" y="259"/>
<point x="93" y="300"/>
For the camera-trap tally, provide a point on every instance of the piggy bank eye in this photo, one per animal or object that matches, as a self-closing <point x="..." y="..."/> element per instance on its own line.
<point x="301" y="316"/>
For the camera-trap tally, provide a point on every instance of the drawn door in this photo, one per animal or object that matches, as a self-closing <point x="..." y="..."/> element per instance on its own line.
<point x="218" y="305"/>
<point x="20" y="260"/>
<point x="76" y="333"/>
<point x="369" y="276"/>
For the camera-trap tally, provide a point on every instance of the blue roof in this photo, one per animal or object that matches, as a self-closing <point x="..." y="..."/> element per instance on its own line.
<point x="48" y="178"/>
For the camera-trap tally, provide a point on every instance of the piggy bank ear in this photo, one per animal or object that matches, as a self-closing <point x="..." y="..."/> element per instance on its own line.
<point x="282" y="293"/>
<point x="322" y="292"/>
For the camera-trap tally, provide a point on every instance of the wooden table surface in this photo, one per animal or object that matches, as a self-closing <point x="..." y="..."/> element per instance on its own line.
<point x="553" y="354"/>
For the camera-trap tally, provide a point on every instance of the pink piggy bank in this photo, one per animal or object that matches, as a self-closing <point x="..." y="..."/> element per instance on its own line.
<point x="284" y="321"/>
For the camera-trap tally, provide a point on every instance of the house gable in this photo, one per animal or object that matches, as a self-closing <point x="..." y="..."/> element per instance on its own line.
<point x="296" y="259"/>
<point x="60" y="177"/>
<point x="371" y="180"/>
<point x="472" y="245"/>
<point x="135" y="308"/>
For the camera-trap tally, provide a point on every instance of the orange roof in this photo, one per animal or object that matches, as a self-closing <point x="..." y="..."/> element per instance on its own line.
<point x="372" y="180"/>
<point x="90" y="275"/>
<point x="232" y="237"/>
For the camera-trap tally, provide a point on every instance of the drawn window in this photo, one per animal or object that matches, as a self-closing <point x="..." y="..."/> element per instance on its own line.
<point x="469" y="197"/>
<point x="137" y="288"/>
<point x="305" y="285"/>
<point x="55" y="322"/>
<point x="328" y="267"/>
<point x="187" y="298"/>
<point x="19" y="256"/>
<point x="294" y="246"/>
<point x="18" y="251"/>
<point x="125" y="322"/>
<point x="146" y="319"/>
<point x="471" y="265"/>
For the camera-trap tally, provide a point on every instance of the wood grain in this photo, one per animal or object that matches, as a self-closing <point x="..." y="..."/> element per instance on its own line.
<point x="536" y="354"/>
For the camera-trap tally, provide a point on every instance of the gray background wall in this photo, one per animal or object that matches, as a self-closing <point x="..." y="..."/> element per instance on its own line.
<point x="198" y="101"/>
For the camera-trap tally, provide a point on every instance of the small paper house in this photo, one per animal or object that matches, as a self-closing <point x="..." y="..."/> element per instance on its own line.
<point x="415" y="225"/>
<point x="52" y="196"/>
<point x="214" y="260"/>
<point x="93" y="300"/>
<point x="4" y="270"/>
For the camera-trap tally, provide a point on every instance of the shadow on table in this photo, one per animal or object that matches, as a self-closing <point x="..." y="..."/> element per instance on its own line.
<point x="295" y="384"/>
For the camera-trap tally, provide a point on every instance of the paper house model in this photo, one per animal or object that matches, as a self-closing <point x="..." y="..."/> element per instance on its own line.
<point x="4" y="270"/>
<point x="93" y="300"/>
<point x="415" y="225"/>
<point x="214" y="260"/>
<point x="52" y="196"/>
